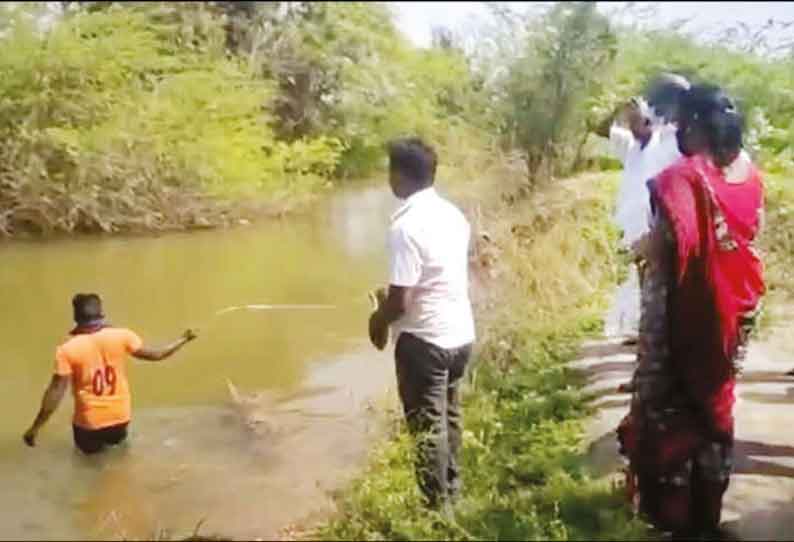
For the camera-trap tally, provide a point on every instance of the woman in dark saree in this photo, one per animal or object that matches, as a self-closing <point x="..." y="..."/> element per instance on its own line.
<point x="703" y="285"/>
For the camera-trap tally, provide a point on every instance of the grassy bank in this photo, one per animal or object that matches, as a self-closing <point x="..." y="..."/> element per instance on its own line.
<point x="547" y="271"/>
<point x="777" y="243"/>
<point x="777" y="250"/>
<point x="552" y="261"/>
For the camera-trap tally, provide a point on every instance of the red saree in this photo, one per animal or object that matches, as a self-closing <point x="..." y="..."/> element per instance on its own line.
<point x="719" y="277"/>
<point x="716" y="280"/>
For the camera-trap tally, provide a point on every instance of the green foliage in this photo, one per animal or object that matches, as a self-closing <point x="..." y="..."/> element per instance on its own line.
<point x="110" y="122"/>
<point x="520" y="57"/>
<point x="545" y="91"/>
<point x="762" y="87"/>
<point x="524" y="475"/>
<point x="777" y="242"/>
<point x="343" y="70"/>
<point x="142" y="115"/>
<point x="136" y="116"/>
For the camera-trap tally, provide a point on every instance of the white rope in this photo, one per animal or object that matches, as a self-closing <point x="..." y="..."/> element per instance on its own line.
<point x="274" y="307"/>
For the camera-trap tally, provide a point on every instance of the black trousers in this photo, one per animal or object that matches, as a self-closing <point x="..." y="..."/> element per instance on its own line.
<point x="428" y="379"/>
<point x="92" y="441"/>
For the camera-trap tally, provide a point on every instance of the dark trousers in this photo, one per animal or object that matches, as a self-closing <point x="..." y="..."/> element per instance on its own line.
<point x="428" y="379"/>
<point x="91" y="441"/>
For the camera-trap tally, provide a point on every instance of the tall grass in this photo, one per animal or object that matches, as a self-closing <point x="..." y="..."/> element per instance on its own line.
<point x="524" y="469"/>
<point x="777" y="242"/>
<point x="777" y="252"/>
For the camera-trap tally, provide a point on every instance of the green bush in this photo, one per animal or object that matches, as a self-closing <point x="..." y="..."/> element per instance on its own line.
<point x="762" y="87"/>
<point x="109" y="124"/>
<point x="344" y="71"/>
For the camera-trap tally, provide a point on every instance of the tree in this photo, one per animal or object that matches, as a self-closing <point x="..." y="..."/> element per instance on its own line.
<point x="563" y="63"/>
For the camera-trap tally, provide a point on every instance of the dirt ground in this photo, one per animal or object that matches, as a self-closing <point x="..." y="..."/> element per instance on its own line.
<point x="759" y="504"/>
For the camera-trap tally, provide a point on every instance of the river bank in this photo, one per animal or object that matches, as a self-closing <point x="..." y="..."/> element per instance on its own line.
<point x="537" y="464"/>
<point x="547" y="263"/>
<point x="136" y="117"/>
<point x="188" y="211"/>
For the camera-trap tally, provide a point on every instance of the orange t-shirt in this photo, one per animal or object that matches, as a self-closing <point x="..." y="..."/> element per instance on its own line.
<point x="97" y="363"/>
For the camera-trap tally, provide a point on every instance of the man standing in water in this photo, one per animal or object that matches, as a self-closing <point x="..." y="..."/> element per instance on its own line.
<point x="95" y="360"/>
<point x="428" y="303"/>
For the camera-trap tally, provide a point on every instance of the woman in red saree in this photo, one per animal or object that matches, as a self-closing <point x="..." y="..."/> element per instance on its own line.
<point x="703" y="287"/>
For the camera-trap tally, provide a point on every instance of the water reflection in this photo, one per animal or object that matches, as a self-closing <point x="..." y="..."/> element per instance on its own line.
<point x="191" y="457"/>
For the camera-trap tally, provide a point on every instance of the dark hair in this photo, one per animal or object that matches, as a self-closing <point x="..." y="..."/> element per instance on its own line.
<point x="708" y="109"/>
<point x="414" y="159"/>
<point x="665" y="92"/>
<point x="87" y="307"/>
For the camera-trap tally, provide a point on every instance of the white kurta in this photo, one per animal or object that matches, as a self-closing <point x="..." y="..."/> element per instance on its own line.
<point x="640" y="164"/>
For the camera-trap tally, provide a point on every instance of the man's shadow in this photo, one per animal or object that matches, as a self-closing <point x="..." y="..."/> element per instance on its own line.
<point x="605" y="459"/>
<point x="786" y="398"/>
<point x="743" y="463"/>
<point x="766" y="524"/>
<point x="750" y="458"/>
<point x="765" y="377"/>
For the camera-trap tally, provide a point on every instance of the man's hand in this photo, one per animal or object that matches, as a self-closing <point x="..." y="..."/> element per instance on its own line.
<point x="159" y="354"/>
<point x="30" y="437"/>
<point x="639" y="248"/>
<point x="378" y="327"/>
<point x="618" y="116"/>
<point x="625" y="110"/>
<point x="378" y="331"/>
<point x="49" y="403"/>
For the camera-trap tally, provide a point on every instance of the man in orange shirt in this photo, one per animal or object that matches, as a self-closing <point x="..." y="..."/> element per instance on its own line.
<point x="95" y="360"/>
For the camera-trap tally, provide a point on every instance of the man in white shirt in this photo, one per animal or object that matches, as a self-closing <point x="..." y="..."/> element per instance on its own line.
<point x="429" y="309"/>
<point x="643" y="158"/>
<point x="646" y="146"/>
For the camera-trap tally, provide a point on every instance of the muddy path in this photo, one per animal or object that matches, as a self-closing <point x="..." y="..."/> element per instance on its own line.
<point x="759" y="504"/>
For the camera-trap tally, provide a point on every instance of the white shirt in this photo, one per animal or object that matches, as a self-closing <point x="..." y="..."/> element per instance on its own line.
<point x="632" y="213"/>
<point x="738" y="171"/>
<point x="428" y="249"/>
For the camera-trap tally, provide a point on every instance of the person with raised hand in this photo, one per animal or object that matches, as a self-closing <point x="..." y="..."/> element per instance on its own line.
<point x="94" y="360"/>
<point x="701" y="295"/>
<point x="641" y="134"/>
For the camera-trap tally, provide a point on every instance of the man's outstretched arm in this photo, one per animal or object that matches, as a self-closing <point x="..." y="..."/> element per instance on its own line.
<point x="159" y="354"/>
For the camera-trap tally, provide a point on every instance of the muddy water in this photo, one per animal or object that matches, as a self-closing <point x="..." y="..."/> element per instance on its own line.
<point x="245" y="429"/>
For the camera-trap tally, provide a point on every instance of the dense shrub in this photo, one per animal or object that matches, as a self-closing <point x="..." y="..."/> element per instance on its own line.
<point x="108" y="123"/>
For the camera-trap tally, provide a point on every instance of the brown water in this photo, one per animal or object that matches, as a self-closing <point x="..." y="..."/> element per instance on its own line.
<point x="244" y="468"/>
